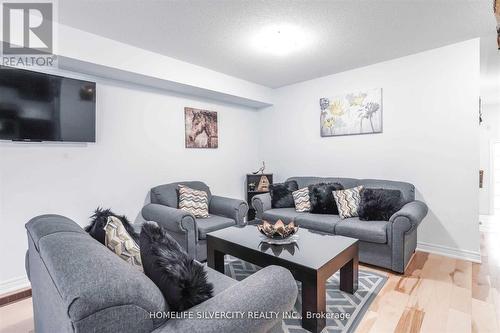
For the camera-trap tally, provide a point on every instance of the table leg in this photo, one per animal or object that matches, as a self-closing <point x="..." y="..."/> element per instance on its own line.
<point x="215" y="259"/>
<point x="349" y="276"/>
<point x="313" y="305"/>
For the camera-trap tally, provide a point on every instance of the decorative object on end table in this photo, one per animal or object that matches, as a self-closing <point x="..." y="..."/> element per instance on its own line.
<point x="321" y="198"/>
<point x="281" y="194"/>
<point x="201" y="128"/>
<point x="252" y="181"/>
<point x="358" y="112"/>
<point x="119" y="241"/>
<point x="181" y="279"/>
<point x="379" y="204"/>
<point x="99" y="220"/>
<point x="263" y="184"/>
<point x="261" y="170"/>
<point x="278" y="233"/>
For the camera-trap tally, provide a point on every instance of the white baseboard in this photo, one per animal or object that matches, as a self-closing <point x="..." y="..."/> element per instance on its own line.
<point x="14" y="284"/>
<point x="450" y="252"/>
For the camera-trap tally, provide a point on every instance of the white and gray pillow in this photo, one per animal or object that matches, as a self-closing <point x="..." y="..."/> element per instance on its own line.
<point x="348" y="201"/>
<point x="118" y="240"/>
<point x="193" y="201"/>
<point x="301" y="199"/>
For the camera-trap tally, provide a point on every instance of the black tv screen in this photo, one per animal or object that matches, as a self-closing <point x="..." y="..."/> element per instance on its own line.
<point x="43" y="107"/>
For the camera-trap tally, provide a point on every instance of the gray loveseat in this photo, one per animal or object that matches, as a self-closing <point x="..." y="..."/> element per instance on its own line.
<point x="80" y="286"/>
<point x="389" y="244"/>
<point x="188" y="231"/>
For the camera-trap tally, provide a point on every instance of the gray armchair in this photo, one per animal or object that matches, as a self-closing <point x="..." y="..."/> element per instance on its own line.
<point x="187" y="230"/>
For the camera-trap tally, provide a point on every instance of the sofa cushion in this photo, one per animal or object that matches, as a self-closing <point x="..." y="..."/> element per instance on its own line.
<point x="193" y="201"/>
<point x="301" y="200"/>
<point x="348" y="201"/>
<point x="119" y="241"/>
<point x="368" y="231"/>
<point x="281" y="194"/>
<point x="319" y="222"/>
<point x="99" y="220"/>
<point x="321" y="198"/>
<point x="407" y="189"/>
<point x="212" y="223"/>
<point x="182" y="280"/>
<point x="379" y="204"/>
<point x="168" y="194"/>
<point x="285" y="214"/>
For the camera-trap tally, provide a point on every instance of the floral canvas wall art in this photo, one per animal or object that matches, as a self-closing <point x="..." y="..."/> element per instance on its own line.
<point x="358" y="112"/>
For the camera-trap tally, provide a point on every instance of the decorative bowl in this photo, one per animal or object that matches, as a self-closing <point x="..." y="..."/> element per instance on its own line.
<point x="279" y="230"/>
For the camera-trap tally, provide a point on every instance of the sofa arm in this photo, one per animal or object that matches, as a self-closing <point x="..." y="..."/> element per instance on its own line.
<point x="261" y="203"/>
<point x="231" y="208"/>
<point x="271" y="289"/>
<point x="172" y="219"/>
<point x="412" y="213"/>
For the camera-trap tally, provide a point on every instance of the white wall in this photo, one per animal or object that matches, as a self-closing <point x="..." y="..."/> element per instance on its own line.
<point x="430" y="138"/>
<point x="489" y="134"/>
<point x="140" y="143"/>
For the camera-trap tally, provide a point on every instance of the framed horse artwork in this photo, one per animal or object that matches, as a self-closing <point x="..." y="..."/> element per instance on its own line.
<point x="201" y="128"/>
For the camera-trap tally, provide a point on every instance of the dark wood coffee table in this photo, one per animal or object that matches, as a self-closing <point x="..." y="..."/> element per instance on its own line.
<point x="312" y="260"/>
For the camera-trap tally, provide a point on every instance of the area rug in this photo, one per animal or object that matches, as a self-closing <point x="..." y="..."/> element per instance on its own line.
<point x="351" y="308"/>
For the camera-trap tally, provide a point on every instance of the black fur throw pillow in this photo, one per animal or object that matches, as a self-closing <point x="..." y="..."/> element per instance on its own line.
<point x="99" y="220"/>
<point x="181" y="279"/>
<point x="281" y="194"/>
<point x="379" y="204"/>
<point x="321" y="198"/>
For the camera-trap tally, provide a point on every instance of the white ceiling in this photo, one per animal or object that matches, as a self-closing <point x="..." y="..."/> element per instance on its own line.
<point x="345" y="34"/>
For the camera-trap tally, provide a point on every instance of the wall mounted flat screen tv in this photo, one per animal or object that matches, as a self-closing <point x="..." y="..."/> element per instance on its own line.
<point x="43" y="107"/>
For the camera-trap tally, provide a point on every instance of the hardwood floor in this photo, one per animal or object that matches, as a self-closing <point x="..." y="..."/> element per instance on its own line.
<point x="17" y="317"/>
<point x="441" y="294"/>
<point x="437" y="294"/>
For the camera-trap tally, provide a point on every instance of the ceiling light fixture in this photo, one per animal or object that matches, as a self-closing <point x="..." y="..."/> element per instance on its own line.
<point x="280" y="40"/>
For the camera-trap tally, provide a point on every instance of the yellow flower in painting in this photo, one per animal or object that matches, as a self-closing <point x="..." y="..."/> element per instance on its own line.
<point x="336" y="108"/>
<point x="356" y="100"/>
<point x="329" y="122"/>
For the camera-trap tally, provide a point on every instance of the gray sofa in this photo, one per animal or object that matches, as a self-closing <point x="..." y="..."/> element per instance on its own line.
<point x="389" y="244"/>
<point x="187" y="230"/>
<point x="80" y="286"/>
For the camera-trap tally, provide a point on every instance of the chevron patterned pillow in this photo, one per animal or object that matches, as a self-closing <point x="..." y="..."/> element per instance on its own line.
<point x="118" y="240"/>
<point x="193" y="201"/>
<point x="348" y="201"/>
<point x="301" y="199"/>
